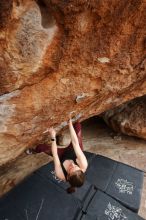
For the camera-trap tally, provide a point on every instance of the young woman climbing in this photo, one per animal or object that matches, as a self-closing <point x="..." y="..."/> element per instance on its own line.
<point x="70" y="163"/>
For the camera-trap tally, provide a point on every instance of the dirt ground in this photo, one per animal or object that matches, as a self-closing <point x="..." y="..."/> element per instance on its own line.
<point x="100" y="139"/>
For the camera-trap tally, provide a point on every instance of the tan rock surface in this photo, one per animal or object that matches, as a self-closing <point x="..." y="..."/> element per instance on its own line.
<point x="129" y="118"/>
<point x="82" y="56"/>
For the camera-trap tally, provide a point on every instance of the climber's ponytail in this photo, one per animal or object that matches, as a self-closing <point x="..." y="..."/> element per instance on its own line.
<point x="76" y="180"/>
<point x="71" y="189"/>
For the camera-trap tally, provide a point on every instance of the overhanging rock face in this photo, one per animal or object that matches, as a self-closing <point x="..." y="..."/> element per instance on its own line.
<point x="57" y="57"/>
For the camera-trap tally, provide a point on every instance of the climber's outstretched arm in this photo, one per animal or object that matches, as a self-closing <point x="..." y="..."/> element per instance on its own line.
<point x="58" y="169"/>
<point x="81" y="159"/>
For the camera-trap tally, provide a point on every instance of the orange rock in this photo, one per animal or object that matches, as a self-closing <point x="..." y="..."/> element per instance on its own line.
<point x="50" y="54"/>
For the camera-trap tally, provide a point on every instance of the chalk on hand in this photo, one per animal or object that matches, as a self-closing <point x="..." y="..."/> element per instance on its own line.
<point x="77" y="117"/>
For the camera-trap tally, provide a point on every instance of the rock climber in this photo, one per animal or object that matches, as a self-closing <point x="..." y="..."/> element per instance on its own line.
<point x="70" y="163"/>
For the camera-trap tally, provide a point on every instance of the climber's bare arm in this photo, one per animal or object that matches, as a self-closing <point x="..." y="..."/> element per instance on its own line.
<point x="58" y="169"/>
<point x="81" y="159"/>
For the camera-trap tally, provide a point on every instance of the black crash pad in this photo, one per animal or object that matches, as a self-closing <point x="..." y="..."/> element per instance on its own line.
<point x="82" y="194"/>
<point x="103" y="207"/>
<point x="122" y="182"/>
<point x="42" y="196"/>
<point x="38" y="199"/>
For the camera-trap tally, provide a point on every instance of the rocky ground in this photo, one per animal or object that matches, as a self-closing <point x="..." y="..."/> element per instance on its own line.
<point x="100" y="139"/>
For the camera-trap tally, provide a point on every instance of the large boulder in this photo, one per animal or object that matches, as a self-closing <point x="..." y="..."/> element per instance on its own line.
<point x="62" y="56"/>
<point x="129" y="118"/>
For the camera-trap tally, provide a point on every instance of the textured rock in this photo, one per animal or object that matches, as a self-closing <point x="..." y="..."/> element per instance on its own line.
<point x="129" y="118"/>
<point x="62" y="56"/>
<point x="5" y="13"/>
<point x="15" y="172"/>
<point x="25" y="50"/>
